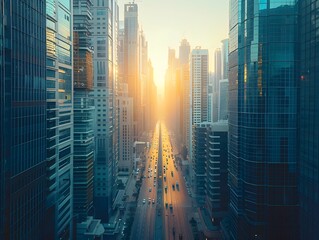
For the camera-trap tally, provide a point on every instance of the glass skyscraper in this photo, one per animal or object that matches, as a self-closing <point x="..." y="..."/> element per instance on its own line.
<point x="309" y="120"/>
<point x="59" y="76"/>
<point x="22" y="119"/>
<point x="83" y="111"/>
<point x="105" y="41"/>
<point x="262" y="119"/>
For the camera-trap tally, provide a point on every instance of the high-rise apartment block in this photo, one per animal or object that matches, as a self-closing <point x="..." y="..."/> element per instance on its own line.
<point x="59" y="76"/>
<point x="263" y="120"/>
<point x="23" y="132"/>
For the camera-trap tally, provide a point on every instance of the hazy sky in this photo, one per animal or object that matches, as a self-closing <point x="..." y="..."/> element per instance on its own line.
<point x="166" y="22"/>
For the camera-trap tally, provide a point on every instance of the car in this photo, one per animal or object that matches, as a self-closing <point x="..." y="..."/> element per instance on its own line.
<point x="172" y="173"/>
<point x="150" y="189"/>
<point x="166" y="189"/>
<point x="173" y="186"/>
<point x="166" y="205"/>
<point x="171" y="206"/>
<point x="154" y="184"/>
<point x="144" y="201"/>
<point x="153" y="201"/>
<point x="164" y="178"/>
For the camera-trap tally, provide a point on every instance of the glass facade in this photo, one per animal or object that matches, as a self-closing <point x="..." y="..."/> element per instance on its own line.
<point x="22" y="119"/>
<point x="59" y="118"/>
<point x="199" y="159"/>
<point x="83" y="111"/>
<point x="309" y="119"/>
<point x="105" y="41"/>
<point x="262" y="119"/>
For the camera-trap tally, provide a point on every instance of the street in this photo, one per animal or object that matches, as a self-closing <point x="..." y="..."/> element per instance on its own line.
<point x="164" y="207"/>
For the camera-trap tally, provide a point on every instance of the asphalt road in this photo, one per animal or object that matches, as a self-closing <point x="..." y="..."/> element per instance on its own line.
<point x="168" y="218"/>
<point x="145" y="216"/>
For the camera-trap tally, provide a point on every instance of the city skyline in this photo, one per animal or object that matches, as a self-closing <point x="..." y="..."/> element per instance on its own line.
<point x="207" y="28"/>
<point x="165" y="125"/>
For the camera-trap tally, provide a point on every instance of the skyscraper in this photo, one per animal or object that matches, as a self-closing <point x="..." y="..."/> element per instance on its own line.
<point x="184" y="53"/>
<point x="224" y="55"/>
<point x="125" y="104"/>
<point x="217" y="190"/>
<point x="131" y="62"/>
<point x="198" y="111"/>
<point x="218" y="71"/>
<point x="308" y="120"/>
<point x="262" y="120"/>
<point x="59" y="76"/>
<point x="83" y="111"/>
<point x="223" y="100"/>
<point x="22" y="119"/>
<point x="105" y="41"/>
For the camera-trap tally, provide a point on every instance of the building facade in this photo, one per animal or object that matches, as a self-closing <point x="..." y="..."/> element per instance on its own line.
<point x="199" y="159"/>
<point x="224" y="55"/>
<point x="218" y="72"/>
<point x="262" y="120"/>
<point x="198" y="112"/>
<point x="22" y="119"/>
<point x="105" y="26"/>
<point x="217" y="190"/>
<point x="59" y="76"/>
<point x="131" y="62"/>
<point x="308" y="120"/>
<point x="125" y="103"/>
<point x="184" y="53"/>
<point x="83" y="111"/>
<point x="223" y="100"/>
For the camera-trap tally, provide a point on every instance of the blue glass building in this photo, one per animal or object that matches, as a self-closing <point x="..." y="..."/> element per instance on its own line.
<point x="59" y="62"/>
<point x="262" y="119"/>
<point x="22" y="119"/>
<point x="83" y="111"/>
<point x="309" y="120"/>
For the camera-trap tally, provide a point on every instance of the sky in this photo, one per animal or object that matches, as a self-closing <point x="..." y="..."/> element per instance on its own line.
<point x="166" y="22"/>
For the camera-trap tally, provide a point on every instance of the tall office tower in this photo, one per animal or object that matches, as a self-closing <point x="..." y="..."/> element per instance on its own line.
<point x="224" y="55"/>
<point x="199" y="159"/>
<point x="131" y="62"/>
<point x="83" y="111"/>
<point x="171" y="92"/>
<point x="262" y="120"/>
<point x="105" y="42"/>
<point x="150" y="100"/>
<point x="217" y="76"/>
<point x="125" y="104"/>
<point x="120" y="57"/>
<point x="308" y="121"/>
<point x="143" y="70"/>
<point x="223" y="100"/>
<point x="217" y="190"/>
<point x="184" y="52"/>
<point x="22" y="119"/>
<point x="199" y="82"/>
<point x="59" y="75"/>
<point x="198" y="93"/>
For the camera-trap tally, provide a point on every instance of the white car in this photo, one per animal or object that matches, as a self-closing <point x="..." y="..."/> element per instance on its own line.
<point x="144" y="201"/>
